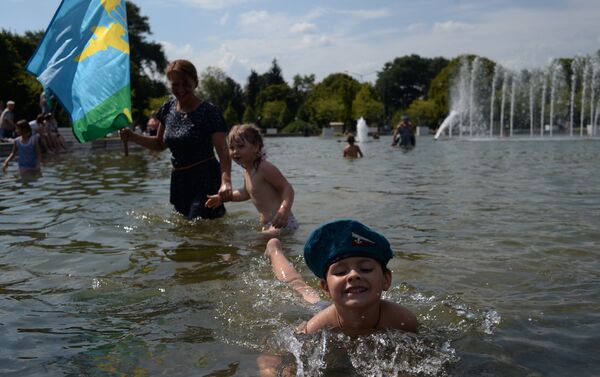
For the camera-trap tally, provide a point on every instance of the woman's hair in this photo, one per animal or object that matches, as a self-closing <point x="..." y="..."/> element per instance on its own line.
<point x="350" y="139"/>
<point x="23" y="126"/>
<point x="182" y="67"/>
<point x="248" y="133"/>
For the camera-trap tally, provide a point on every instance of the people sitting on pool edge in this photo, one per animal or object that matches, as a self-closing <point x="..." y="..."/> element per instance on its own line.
<point x="351" y="150"/>
<point x="269" y="190"/>
<point x="404" y="134"/>
<point x="351" y="261"/>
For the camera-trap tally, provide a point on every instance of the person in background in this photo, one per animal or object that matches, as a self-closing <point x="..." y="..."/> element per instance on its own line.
<point x="192" y="129"/>
<point x="404" y="134"/>
<point x="7" y="121"/>
<point x="351" y="150"/>
<point x="57" y="142"/>
<point x="27" y="148"/>
<point x="152" y="125"/>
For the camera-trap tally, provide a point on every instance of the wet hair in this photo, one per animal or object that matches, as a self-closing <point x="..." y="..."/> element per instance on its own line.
<point x="247" y="133"/>
<point x="184" y="68"/>
<point x="24" y="126"/>
<point x="350" y="139"/>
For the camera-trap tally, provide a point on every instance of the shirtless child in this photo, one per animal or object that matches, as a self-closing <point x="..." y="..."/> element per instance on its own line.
<point x="270" y="192"/>
<point x="351" y="150"/>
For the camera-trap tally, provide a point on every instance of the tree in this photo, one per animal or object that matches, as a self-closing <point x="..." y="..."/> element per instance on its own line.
<point x="333" y="96"/>
<point x="406" y="79"/>
<point x="147" y="60"/>
<point x="223" y="91"/>
<point x="367" y="105"/>
<point x="18" y="85"/>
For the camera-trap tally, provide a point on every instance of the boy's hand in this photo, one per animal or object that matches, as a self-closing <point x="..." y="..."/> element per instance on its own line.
<point x="4" y="167"/>
<point x="213" y="201"/>
<point x="280" y="220"/>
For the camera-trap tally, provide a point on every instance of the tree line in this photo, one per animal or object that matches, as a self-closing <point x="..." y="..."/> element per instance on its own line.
<point x="409" y="85"/>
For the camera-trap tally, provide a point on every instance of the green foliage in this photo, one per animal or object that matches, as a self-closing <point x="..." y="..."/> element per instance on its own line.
<point x="147" y="60"/>
<point x="274" y="114"/>
<point x="231" y="116"/>
<point x="17" y="85"/>
<point x="406" y="79"/>
<point x="300" y="127"/>
<point x="223" y="91"/>
<point x="331" y="100"/>
<point x="423" y="113"/>
<point x="366" y="105"/>
<point x="249" y="115"/>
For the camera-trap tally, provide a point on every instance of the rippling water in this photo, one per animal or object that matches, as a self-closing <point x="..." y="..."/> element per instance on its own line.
<point x="496" y="251"/>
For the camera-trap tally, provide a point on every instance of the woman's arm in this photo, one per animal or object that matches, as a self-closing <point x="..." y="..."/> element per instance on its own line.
<point x="218" y="140"/>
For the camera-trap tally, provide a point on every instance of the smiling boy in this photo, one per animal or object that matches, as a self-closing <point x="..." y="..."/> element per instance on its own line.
<point x="351" y="261"/>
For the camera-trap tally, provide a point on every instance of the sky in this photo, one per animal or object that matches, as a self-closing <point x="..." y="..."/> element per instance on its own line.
<point x="354" y="36"/>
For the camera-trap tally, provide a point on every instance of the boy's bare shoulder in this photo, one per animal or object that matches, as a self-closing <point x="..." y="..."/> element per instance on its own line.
<point x="396" y="316"/>
<point x="326" y="318"/>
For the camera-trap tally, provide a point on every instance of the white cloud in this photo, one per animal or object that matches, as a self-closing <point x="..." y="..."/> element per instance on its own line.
<point x="368" y="14"/>
<point x="451" y="26"/>
<point x="213" y="4"/>
<point x="254" y="17"/>
<point x="311" y="41"/>
<point x="303" y="27"/>
<point x="174" y="51"/>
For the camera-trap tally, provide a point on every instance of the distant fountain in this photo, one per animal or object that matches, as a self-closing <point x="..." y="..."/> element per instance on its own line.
<point x="447" y="123"/>
<point x="362" y="132"/>
<point x="491" y="101"/>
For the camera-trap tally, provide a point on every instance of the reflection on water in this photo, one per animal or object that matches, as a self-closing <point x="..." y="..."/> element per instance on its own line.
<point x="496" y="251"/>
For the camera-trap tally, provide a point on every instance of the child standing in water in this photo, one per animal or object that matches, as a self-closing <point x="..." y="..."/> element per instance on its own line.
<point x="28" y="149"/>
<point x="270" y="192"/>
<point x="351" y="150"/>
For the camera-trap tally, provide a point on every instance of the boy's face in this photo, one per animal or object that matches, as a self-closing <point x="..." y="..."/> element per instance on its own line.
<point x="242" y="152"/>
<point x="356" y="281"/>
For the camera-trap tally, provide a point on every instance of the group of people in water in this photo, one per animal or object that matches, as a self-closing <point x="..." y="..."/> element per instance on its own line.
<point x="348" y="257"/>
<point x="30" y="139"/>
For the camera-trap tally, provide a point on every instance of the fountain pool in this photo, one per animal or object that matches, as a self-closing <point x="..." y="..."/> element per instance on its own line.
<point x="496" y="252"/>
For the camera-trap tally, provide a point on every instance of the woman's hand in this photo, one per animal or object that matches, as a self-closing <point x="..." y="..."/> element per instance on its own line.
<point x="225" y="192"/>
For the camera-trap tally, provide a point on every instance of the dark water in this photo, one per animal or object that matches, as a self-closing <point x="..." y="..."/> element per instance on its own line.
<point x="497" y="251"/>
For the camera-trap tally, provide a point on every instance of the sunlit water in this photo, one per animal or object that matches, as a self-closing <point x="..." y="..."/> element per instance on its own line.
<point x="496" y="251"/>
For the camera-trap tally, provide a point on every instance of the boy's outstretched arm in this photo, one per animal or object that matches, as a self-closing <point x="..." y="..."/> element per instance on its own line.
<point x="285" y="272"/>
<point x="213" y="201"/>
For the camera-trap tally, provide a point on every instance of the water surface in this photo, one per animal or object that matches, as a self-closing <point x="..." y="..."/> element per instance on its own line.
<point x="496" y="251"/>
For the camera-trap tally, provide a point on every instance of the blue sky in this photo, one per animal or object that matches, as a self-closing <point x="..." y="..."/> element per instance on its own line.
<point x="327" y="36"/>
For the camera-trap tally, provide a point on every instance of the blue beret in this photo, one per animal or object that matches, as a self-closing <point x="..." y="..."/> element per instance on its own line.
<point x="341" y="239"/>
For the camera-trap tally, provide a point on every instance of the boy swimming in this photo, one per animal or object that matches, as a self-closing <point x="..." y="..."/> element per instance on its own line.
<point x="351" y="261"/>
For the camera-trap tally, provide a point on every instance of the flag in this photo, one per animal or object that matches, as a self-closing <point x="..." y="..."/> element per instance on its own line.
<point x="83" y="58"/>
